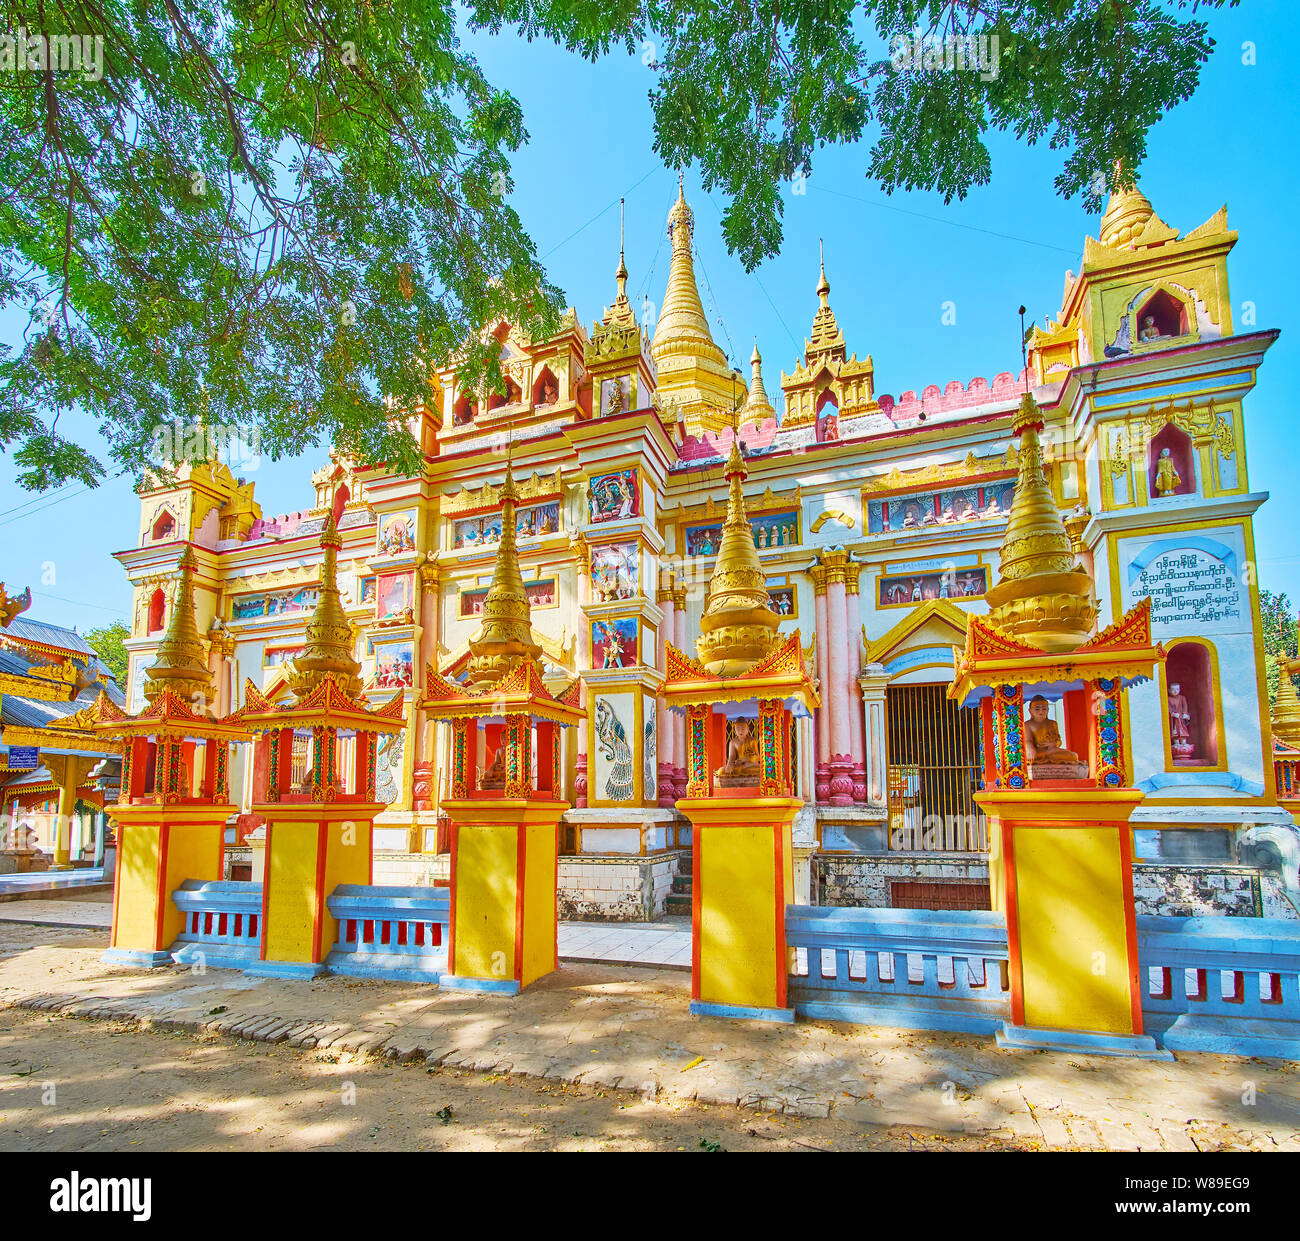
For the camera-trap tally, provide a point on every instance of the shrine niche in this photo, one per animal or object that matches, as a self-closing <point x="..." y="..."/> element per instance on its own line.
<point x="464" y="411"/>
<point x="157" y="610"/>
<point x="1193" y="715"/>
<point x="164" y="527"/>
<point x="616" y="394"/>
<point x="1171" y="463"/>
<point x="546" y="388"/>
<point x="1162" y="316"/>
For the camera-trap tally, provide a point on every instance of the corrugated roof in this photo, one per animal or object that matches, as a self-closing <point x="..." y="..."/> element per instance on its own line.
<point x="48" y="635"/>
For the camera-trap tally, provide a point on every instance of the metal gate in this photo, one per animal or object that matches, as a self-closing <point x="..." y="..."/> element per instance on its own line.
<point x="934" y="766"/>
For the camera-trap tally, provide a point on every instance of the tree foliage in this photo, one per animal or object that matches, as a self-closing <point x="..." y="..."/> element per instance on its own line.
<point x="1279" y="624"/>
<point x="109" y="644"/>
<point x="278" y="216"/>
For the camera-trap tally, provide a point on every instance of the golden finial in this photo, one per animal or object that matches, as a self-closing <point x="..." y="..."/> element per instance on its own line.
<point x="328" y="647"/>
<point x="1126" y="215"/>
<point x="757" y="405"/>
<point x="826" y="334"/>
<point x="506" y="636"/>
<point x="738" y="626"/>
<point x="1042" y="595"/>
<point x="823" y="285"/>
<point x="1286" y="708"/>
<point x="180" y="663"/>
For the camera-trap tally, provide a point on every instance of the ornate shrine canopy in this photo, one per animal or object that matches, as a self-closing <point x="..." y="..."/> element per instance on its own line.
<point x="167" y="715"/>
<point x="329" y="705"/>
<point x="779" y="674"/>
<point x="519" y="692"/>
<point x="992" y="658"/>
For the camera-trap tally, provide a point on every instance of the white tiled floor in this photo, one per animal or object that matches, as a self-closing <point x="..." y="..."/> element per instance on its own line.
<point x="667" y="942"/>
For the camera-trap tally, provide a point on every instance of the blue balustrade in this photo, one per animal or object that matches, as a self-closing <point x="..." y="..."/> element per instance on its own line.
<point x="223" y="923"/>
<point x="912" y="969"/>
<point x="389" y="932"/>
<point x="1226" y="985"/>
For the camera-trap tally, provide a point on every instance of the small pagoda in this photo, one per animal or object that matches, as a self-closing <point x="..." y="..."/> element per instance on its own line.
<point x="174" y="801"/>
<point x="1055" y="784"/>
<point x="506" y="788"/>
<point x="320" y="801"/>
<point x="740" y="696"/>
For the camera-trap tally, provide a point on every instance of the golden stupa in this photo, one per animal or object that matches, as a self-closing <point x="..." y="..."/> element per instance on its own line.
<point x="506" y="636"/>
<point x="738" y="627"/>
<point x="758" y="406"/>
<point x="1125" y="217"/>
<point x="328" y="648"/>
<point x="1286" y="708"/>
<point x="180" y="663"/>
<point x="1043" y="596"/>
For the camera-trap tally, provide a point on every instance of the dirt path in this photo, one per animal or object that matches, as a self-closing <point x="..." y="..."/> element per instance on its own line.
<point x="116" y="1088"/>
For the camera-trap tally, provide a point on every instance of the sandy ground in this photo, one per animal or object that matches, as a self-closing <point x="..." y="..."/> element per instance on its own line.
<point x="116" y="1088"/>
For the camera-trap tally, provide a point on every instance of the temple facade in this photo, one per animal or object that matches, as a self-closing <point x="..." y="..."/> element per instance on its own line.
<point x="880" y="524"/>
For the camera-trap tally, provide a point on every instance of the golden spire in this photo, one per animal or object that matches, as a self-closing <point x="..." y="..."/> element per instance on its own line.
<point x="757" y="405"/>
<point x="506" y="636"/>
<point x="826" y="334"/>
<point x="180" y="664"/>
<point x="1286" y="709"/>
<point x="738" y="626"/>
<point x="1042" y="595"/>
<point x="1126" y="215"/>
<point x="328" y="649"/>
<point x="682" y="325"/>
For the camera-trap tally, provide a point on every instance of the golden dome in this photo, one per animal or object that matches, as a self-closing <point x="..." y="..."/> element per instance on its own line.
<point x="1286" y="709"/>
<point x="738" y="627"/>
<point x="1125" y="217"/>
<point x="1042" y="595"/>
<point x="180" y="663"/>
<point x="328" y="647"/>
<point x="506" y="636"/>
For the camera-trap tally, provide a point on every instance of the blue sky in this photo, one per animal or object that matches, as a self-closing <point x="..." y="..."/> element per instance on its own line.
<point x="892" y="264"/>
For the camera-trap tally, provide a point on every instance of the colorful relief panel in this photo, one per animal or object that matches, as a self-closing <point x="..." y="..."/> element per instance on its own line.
<point x="277" y="656"/>
<point x="614" y="497"/>
<point x="942" y="584"/>
<point x="533" y="519"/>
<point x="616" y="394"/>
<point x="613" y="643"/>
<point x="541" y="594"/>
<point x="770" y="530"/>
<point x="613" y="750"/>
<point x="939" y="508"/>
<point x="783" y="597"/>
<point x="391" y="594"/>
<point x="275" y="603"/>
<point x="614" y="572"/>
<point x="394" y="665"/>
<point x="396" y="533"/>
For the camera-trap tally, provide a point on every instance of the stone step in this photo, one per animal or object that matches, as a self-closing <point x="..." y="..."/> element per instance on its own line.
<point x="684" y="861"/>
<point x="682" y="884"/>
<point x="677" y="905"/>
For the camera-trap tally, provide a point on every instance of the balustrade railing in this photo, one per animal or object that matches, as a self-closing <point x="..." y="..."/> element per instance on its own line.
<point x="909" y="968"/>
<point x="1227" y="985"/>
<point x="223" y="923"/>
<point x="390" y="932"/>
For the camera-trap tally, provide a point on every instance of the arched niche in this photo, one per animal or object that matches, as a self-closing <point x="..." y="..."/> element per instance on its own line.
<point x="157" y="610"/>
<point x="828" y="417"/>
<point x="1193" y="716"/>
<point x="1162" y="314"/>
<point x="513" y="395"/>
<point x="464" y="411"/>
<point x="546" y="388"/>
<point x="1173" y="440"/>
<point x="164" y="527"/>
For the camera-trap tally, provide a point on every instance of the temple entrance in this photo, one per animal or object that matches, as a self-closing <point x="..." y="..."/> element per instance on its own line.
<point x="934" y="766"/>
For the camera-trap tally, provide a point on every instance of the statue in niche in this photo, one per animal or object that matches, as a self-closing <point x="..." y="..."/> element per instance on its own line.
<point x="550" y="393"/>
<point x="1180" y="724"/>
<point x="1167" y="479"/>
<point x="1043" y="748"/>
<point x="1149" y="331"/>
<point x="494" y="777"/>
<point x="743" y="752"/>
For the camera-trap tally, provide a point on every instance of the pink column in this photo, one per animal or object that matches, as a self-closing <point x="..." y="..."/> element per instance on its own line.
<point x="857" y="732"/>
<point x="841" y="760"/>
<point x="423" y="790"/>
<point x="679" y="721"/>
<point x="667" y="729"/>
<point x="582" y="564"/>
<point x="822" y="770"/>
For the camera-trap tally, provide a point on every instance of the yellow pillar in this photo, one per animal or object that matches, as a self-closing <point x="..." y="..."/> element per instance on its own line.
<point x="504" y="854"/>
<point x="1065" y="883"/>
<point x="68" y="771"/>
<point x="742" y="880"/>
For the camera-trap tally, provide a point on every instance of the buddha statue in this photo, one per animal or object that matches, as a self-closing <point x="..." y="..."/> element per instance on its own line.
<point x="1180" y="724"/>
<point x="743" y="753"/>
<point x="494" y="776"/>
<point x="1043" y="739"/>
<point x="1149" y="331"/>
<point x="1167" y="479"/>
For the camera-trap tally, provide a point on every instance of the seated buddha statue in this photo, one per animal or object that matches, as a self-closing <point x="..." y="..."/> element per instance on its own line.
<point x="743" y="753"/>
<point x="1043" y="738"/>
<point x="494" y="776"/>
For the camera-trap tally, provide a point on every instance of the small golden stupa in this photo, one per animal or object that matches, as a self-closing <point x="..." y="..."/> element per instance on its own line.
<point x="506" y="637"/>
<point x="1125" y="217"/>
<point x="1043" y="596"/>
<point x="180" y="663"/>
<point x="328" y="649"/>
<point x="1286" y="709"/>
<point x="738" y="627"/>
<point x="758" y="406"/>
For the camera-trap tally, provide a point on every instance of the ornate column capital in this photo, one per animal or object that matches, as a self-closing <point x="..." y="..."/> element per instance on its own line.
<point x="429" y="574"/>
<point x="679" y="598"/>
<point x="835" y="564"/>
<point x="852" y="571"/>
<point x="582" y="554"/>
<point x="818" y="574"/>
